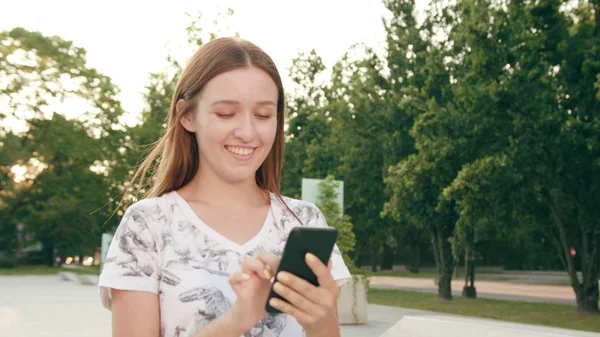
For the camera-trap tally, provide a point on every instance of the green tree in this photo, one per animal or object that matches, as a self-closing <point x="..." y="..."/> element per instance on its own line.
<point x="415" y="192"/>
<point x="57" y="126"/>
<point x="308" y="128"/>
<point x="560" y="134"/>
<point x="421" y="77"/>
<point x="524" y="116"/>
<point x="361" y="127"/>
<point x="334" y="215"/>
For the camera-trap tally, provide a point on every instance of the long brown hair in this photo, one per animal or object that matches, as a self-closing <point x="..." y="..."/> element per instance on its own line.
<point x="174" y="160"/>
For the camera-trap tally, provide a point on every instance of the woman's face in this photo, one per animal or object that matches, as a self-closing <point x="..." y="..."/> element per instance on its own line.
<point x="235" y="123"/>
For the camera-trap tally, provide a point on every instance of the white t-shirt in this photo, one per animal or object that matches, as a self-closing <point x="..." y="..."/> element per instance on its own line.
<point x="163" y="247"/>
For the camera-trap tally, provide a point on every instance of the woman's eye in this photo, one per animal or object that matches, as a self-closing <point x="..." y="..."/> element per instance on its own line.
<point x="263" y="116"/>
<point x="225" y="115"/>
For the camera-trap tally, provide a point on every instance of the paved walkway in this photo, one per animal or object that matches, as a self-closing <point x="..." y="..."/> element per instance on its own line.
<point x="381" y="318"/>
<point x="460" y="326"/>
<point x="485" y="289"/>
<point x="34" y="306"/>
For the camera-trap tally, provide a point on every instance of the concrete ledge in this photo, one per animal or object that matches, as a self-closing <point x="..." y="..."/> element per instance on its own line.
<point x="81" y="279"/>
<point x="88" y="279"/>
<point x="453" y="326"/>
<point x="69" y="276"/>
<point x="352" y="301"/>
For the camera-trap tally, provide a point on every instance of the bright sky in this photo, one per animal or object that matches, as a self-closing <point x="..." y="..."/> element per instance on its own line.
<point x="128" y="39"/>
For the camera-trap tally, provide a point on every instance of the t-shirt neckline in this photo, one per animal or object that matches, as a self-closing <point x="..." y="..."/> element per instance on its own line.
<point x="191" y="216"/>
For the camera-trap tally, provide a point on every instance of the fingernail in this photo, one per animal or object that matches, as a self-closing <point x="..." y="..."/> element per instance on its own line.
<point x="267" y="274"/>
<point x="310" y="258"/>
<point x="278" y="287"/>
<point x="282" y="276"/>
<point x="245" y="276"/>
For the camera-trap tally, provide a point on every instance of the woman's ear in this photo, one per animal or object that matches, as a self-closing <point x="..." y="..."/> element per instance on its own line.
<point x="187" y="120"/>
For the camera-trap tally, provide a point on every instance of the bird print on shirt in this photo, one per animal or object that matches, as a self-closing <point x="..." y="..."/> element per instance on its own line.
<point x="213" y="303"/>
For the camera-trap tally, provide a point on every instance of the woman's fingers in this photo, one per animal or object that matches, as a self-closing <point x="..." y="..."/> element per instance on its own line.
<point x="270" y="260"/>
<point x="299" y="301"/>
<point x="237" y="278"/>
<point x="256" y="266"/>
<point x="322" y="272"/>
<point x="302" y="317"/>
<point x="312" y="293"/>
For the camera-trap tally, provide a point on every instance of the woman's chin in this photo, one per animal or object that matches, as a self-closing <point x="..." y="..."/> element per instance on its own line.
<point x="238" y="176"/>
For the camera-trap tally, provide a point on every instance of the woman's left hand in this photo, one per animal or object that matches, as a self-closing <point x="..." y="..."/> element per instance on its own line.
<point x="313" y="307"/>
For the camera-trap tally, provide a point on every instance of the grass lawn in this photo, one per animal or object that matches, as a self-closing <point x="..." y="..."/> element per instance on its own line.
<point x="556" y="315"/>
<point x="401" y="273"/>
<point x="46" y="270"/>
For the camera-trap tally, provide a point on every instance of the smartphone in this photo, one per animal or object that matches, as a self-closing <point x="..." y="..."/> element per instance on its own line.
<point x="319" y="241"/>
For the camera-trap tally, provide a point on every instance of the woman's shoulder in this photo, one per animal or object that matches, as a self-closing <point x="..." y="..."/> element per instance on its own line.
<point x="152" y="210"/>
<point x="294" y="203"/>
<point x="306" y="211"/>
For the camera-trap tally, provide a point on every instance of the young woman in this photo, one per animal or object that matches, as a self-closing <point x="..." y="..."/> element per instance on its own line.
<point x="195" y="256"/>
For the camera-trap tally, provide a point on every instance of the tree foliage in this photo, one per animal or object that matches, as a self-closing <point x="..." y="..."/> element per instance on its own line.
<point x="328" y="205"/>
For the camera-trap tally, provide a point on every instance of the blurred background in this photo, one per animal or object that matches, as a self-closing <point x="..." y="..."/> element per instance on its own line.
<point x="466" y="134"/>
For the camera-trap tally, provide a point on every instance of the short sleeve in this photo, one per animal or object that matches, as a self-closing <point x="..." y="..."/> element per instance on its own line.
<point x="339" y="270"/>
<point x="132" y="259"/>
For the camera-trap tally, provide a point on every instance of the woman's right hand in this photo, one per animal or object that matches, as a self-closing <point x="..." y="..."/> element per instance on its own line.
<point x="252" y="286"/>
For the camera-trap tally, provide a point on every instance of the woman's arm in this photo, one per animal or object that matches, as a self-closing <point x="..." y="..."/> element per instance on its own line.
<point x="137" y="314"/>
<point x="225" y="326"/>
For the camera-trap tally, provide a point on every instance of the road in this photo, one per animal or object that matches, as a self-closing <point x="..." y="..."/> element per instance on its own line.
<point x="485" y="289"/>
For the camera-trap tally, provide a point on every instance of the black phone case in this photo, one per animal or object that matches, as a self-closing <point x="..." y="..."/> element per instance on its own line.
<point x="316" y="240"/>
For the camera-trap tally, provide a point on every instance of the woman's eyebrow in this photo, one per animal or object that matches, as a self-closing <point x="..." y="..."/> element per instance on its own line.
<point x="225" y="101"/>
<point x="233" y="102"/>
<point x="267" y="103"/>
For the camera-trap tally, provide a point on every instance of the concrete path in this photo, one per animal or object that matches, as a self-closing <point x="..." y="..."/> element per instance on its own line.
<point x="34" y="306"/>
<point x="381" y="318"/>
<point x="485" y="289"/>
<point x="460" y="326"/>
<point x="39" y="306"/>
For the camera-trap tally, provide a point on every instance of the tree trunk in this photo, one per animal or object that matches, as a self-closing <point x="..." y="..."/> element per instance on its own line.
<point x="586" y="292"/>
<point x="374" y="257"/>
<point x="358" y="251"/>
<point x="417" y="260"/>
<point x="561" y="256"/>
<point x="387" y="261"/>
<point x="412" y="258"/>
<point x="48" y="249"/>
<point x="560" y="226"/>
<point x="466" y="266"/>
<point x="588" y="301"/>
<point x="436" y="254"/>
<point x="446" y="266"/>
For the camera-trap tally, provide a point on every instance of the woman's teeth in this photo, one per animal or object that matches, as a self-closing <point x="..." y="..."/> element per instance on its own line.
<point x="242" y="151"/>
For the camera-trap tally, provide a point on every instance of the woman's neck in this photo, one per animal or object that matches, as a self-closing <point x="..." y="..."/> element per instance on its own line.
<point x="212" y="190"/>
